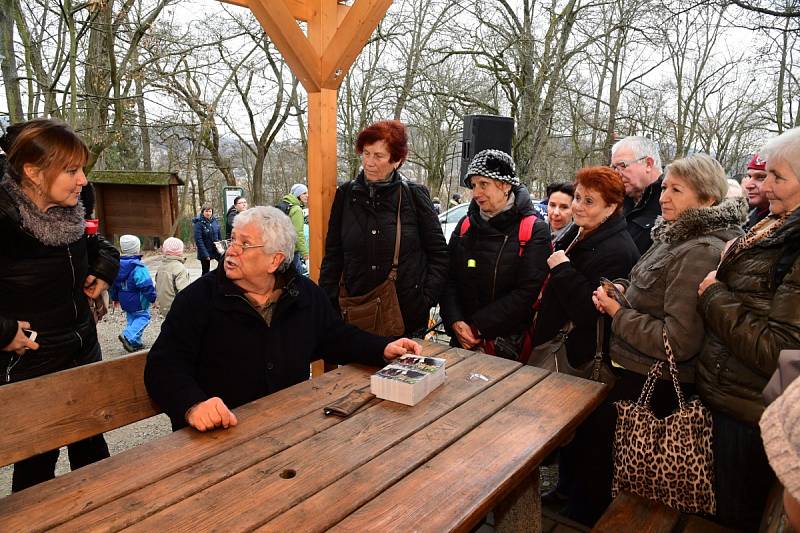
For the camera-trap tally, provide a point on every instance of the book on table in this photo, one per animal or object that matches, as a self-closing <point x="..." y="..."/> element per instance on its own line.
<point x="408" y="379"/>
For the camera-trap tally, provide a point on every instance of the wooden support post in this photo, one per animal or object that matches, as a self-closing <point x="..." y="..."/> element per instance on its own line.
<point x="321" y="170"/>
<point x="321" y="138"/>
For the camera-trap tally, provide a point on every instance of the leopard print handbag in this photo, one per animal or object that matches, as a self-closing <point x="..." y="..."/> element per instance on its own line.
<point x="668" y="460"/>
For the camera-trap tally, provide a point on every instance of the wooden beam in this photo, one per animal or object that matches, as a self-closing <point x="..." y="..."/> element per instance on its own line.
<point x="278" y="22"/>
<point x="353" y="32"/>
<point x="321" y="138"/>
<point x="321" y="170"/>
<point x="300" y="9"/>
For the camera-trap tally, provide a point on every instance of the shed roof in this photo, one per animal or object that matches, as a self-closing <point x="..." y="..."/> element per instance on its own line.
<point x="135" y="177"/>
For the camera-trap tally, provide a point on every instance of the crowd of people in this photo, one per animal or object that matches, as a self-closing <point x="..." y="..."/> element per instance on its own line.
<point x="628" y="255"/>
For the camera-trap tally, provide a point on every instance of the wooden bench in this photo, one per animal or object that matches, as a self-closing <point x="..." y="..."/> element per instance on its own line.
<point x="51" y="411"/>
<point x="635" y="514"/>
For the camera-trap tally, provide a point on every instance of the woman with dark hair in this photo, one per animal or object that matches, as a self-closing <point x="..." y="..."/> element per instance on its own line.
<point x="559" y="208"/>
<point x="498" y="261"/>
<point x="206" y="233"/>
<point x="598" y="245"/>
<point x="49" y="270"/>
<point x="359" y="249"/>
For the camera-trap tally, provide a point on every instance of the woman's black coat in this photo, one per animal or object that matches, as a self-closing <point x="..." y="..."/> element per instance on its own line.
<point x="43" y="285"/>
<point x="491" y="287"/>
<point x="360" y="245"/>
<point x="607" y="252"/>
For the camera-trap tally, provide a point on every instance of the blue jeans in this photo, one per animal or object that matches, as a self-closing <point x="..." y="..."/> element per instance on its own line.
<point x="297" y="263"/>
<point x="137" y="322"/>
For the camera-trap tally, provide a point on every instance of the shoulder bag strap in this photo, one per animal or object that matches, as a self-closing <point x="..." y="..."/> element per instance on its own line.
<point x="673" y="370"/>
<point x="396" y="258"/>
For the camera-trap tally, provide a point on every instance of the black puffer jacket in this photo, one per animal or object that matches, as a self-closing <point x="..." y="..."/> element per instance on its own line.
<point x="495" y="295"/>
<point x="749" y="319"/>
<point x="360" y="244"/>
<point x="608" y="252"/>
<point x="43" y="285"/>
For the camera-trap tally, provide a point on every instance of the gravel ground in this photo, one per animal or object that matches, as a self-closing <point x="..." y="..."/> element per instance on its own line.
<point x="108" y="330"/>
<point x="132" y="435"/>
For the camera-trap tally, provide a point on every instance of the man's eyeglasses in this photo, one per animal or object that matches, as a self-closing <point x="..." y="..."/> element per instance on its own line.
<point x="225" y="245"/>
<point x="622" y="165"/>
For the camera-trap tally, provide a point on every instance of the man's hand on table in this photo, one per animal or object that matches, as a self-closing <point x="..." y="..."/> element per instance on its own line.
<point x="210" y="414"/>
<point x="401" y="347"/>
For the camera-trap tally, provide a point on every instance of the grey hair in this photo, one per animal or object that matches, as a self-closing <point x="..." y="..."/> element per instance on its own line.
<point x="703" y="174"/>
<point x="277" y="230"/>
<point x="641" y="147"/>
<point x="785" y="146"/>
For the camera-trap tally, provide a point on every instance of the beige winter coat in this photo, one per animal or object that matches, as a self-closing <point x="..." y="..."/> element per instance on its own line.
<point x="171" y="278"/>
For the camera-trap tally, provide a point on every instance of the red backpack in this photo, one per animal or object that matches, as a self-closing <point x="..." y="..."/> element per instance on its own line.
<point x="525" y="230"/>
<point x="524" y="235"/>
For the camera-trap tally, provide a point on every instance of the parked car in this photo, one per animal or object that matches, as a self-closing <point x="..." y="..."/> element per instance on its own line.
<point x="450" y="218"/>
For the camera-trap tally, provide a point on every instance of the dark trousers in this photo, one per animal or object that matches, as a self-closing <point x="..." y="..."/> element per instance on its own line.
<point x="742" y="475"/>
<point x="205" y="264"/>
<point x="42" y="467"/>
<point x="586" y="466"/>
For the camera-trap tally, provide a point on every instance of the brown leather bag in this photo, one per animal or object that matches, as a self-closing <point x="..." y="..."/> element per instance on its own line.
<point x="378" y="311"/>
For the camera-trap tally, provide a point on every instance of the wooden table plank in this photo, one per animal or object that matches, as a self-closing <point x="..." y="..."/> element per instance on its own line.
<point x="487" y="463"/>
<point x="270" y="487"/>
<point x="129" y="509"/>
<point x="332" y="504"/>
<point x="51" y="503"/>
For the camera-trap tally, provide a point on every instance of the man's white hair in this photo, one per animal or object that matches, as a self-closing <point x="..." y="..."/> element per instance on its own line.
<point x="785" y="146"/>
<point x="277" y="230"/>
<point x="641" y="147"/>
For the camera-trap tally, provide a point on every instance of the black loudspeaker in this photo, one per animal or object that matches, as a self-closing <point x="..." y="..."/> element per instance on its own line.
<point x="482" y="132"/>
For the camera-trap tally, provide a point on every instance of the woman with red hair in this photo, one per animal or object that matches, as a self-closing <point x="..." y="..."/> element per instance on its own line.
<point x="360" y="246"/>
<point x="599" y="245"/>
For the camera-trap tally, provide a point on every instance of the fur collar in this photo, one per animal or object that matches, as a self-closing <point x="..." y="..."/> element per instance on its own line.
<point x="58" y="226"/>
<point x="729" y="214"/>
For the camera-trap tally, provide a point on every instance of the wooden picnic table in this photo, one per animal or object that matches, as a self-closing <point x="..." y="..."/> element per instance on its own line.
<point x="471" y="446"/>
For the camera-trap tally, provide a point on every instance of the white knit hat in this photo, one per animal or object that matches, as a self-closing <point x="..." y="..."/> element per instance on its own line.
<point x="298" y="189"/>
<point x="130" y="245"/>
<point x="780" y="431"/>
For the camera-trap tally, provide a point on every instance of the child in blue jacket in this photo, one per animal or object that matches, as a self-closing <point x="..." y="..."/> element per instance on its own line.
<point x="134" y="290"/>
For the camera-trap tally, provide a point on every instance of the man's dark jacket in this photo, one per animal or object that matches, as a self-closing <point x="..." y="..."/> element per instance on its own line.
<point x="360" y="245"/>
<point x="229" y="216"/>
<point x="607" y="252"/>
<point x="642" y="216"/>
<point x="214" y="343"/>
<point x="496" y="295"/>
<point x="43" y="285"/>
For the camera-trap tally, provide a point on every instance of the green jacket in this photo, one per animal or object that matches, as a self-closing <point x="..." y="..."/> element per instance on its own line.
<point x="298" y="220"/>
<point x="663" y="288"/>
<point x="749" y="320"/>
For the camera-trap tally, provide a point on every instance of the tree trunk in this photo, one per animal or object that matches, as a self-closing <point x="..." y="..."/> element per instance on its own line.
<point x="8" y="62"/>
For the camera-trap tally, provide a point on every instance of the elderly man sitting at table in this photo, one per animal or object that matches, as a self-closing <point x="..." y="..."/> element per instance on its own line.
<point x="250" y="329"/>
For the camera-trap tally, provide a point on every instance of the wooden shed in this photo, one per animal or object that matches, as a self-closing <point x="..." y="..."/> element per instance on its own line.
<point x="138" y="202"/>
